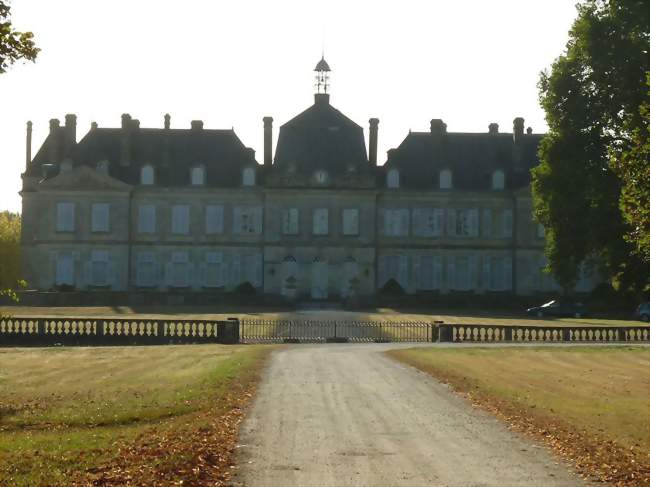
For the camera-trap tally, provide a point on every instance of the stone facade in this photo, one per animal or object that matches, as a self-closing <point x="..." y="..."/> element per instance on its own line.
<point x="163" y="209"/>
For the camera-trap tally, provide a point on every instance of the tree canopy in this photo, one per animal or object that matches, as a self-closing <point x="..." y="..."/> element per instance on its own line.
<point x="14" y="45"/>
<point x="587" y="190"/>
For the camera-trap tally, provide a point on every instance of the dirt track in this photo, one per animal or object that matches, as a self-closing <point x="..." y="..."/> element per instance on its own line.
<point x="344" y="415"/>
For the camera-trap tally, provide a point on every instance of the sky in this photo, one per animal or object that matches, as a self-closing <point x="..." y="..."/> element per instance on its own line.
<point x="230" y="63"/>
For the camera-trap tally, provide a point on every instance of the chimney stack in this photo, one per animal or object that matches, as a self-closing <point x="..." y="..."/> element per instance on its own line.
<point x="197" y="124"/>
<point x="268" y="140"/>
<point x="53" y="153"/>
<point x="517" y="129"/>
<point x="167" y="120"/>
<point x="93" y="126"/>
<point x="126" y="121"/>
<point x="438" y="127"/>
<point x="71" y="127"/>
<point x="125" y="149"/>
<point x="28" y="144"/>
<point x="372" y="140"/>
<point x="529" y="131"/>
<point x="493" y="128"/>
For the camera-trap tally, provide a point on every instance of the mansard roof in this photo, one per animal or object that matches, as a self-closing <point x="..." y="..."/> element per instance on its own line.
<point x="471" y="157"/>
<point x="171" y="151"/>
<point x="321" y="138"/>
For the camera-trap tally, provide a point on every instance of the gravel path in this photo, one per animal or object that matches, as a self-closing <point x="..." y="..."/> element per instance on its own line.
<point x="346" y="415"/>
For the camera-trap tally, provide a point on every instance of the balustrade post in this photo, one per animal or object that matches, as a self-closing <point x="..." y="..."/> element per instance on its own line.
<point x="507" y="334"/>
<point x="566" y="334"/>
<point x="445" y="333"/>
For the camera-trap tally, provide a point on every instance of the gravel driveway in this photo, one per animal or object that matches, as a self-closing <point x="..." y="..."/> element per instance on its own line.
<point x="346" y="415"/>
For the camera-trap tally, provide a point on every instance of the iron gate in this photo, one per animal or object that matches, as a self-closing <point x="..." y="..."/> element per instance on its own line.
<point x="298" y="331"/>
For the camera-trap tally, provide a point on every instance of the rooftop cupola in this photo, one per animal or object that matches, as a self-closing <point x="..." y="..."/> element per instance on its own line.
<point x="322" y="84"/>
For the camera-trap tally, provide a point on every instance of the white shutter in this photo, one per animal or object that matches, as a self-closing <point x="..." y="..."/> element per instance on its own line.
<point x="213" y="219"/>
<point x="237" y="218"/>
<point x="65" y="217"/>
<point x="473" y="272"/>
<point x="99" y="217"/>
<point x="487" y="272"/>
<point x="403" y="271"/>
<point x="256" y="215"/>
<point x="439" y="222"/>
<point x="473" y="222"/>
<point x="180" y="219"/>
<point x="451" y="222"/>
<point x="350" y="221"/>
<point x="320" y="221"/>
<point x="451" y="272"/>
<point x="419" y="228"/>
<point x="403" y="222"/>
<point x="146" y="219"/>
<point x="507" y="223"/>
<point x="290" y="221"/>
<point x="507" y="273"/>
<point x="487" y="223"/>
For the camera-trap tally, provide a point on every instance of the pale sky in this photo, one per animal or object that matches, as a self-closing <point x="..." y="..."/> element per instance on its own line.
<point x="230" y="63"/>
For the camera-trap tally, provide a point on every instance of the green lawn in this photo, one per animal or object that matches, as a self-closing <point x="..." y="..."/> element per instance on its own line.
<point x="600" y="393"/>
<point x="63" y="410"/>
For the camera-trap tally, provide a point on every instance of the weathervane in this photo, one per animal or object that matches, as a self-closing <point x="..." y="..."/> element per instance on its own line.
<point x="322" y="70"/>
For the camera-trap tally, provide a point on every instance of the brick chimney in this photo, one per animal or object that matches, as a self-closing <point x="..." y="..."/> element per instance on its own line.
<point x="197" y="124"/>
<point x="493" y="128"/>
<point x="438" y="127"/>
<point x="372" y="140"/>
<point x="517" y="129"/>
<point x="28" y="144"/>
<point x="55" y="142"/>
<point x="167" y="121"/>
<point x="268" y="140"/>
<point x="125" y="142"/>
<point x="71" y="127"/>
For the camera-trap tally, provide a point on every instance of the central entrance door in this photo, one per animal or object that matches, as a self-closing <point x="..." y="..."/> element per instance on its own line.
<point x="319" y="279"/>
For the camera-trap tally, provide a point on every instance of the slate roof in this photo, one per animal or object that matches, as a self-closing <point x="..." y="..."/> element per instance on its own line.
<point x="472" y="158"/>
<point x="321" y="137"/>
<point x="171" y="151"/>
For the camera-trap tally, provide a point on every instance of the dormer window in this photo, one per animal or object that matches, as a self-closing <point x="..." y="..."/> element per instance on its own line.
<point x="248" y="177"/>
<point x="320" y="177"/>
<point x="147" y="175"/>
<point x="197" y="176"/>
<point x="392" y="179"/>
<point x="498" y="179"/>
<point x="445" y="179"/>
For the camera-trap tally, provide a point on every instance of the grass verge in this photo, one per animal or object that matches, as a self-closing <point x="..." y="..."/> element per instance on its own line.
<point x="589" y="404"/>
<point x="123" y="415"/>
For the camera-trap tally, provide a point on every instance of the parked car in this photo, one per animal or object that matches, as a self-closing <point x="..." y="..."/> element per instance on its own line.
<point x="559" y="308"/>
<point x="643" y="312"/>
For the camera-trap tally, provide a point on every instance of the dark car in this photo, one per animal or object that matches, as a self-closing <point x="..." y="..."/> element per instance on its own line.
<point x="559" y="308"/>
<point x="643" y="312"/>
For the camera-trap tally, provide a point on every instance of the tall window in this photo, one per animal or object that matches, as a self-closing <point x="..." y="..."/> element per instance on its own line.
<point x="498" y="179"/>
<point x="290" y="221"/>
<point x="147" y="175"/>
<point x="247" y="220"/>
<point x="445" y="179"/>
<point x="146" y="219"/>
<point x="463" y="223"/>
<point x="351" y="221"/>
<point x="214" y="270"/>
<point x="320" y="221"/>
<point x="396" y="222"/>
<point x="180" y="219"/>
<point x="213" y="219"/>
<point x="179" y="270"/>
<point x="146" y="270"/>
<point x="392" y="179"/>
<point x="99" y="217"/>
<point x="99" y="262"/>
<point x="65" y="217"/>
<point x="197" y="176"/>
<point x="65" y="269"/>
<point x="248" y="177"/>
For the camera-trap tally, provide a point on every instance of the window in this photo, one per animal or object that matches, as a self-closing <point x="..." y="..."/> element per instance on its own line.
<point x="247" y="268"/>
<point x="248" y="177"/>
<point x="214" y="270"/>
<point x="290" y="221"/>
<point x="351" y="221"/>
<point x="351" y="281"/>
<point x="65" y="269"/>
<point x="498" y="179"/>
<point x="462" y="223"/>
<point x="396" y="222"/>
<point x="497" y="273"/>
<point x="462" y="272"/>
<point x="147" y="175"/>
<point x="146" y="270"/>
<point x="146" y="219"/>
<point x="392" y="179"/>
<point x="445" y="179"/>
<point x="180" y="219"/>
<point x="247" y="220"/>
<point x="320" y="177"/>
<point x="429" y="270"/>
<point x="213" y="219"/>
<point x="289" y="276"/>
<point x="65" y="217"/>
<point x="99" y="217"/>
<point x="320" y="221"/>
<point x="393" y="267"/>
<point x="197" y="176"/>
<point x="428" y="222"/>
<point x="99" y="262"/>
<point x="178" y="270"/>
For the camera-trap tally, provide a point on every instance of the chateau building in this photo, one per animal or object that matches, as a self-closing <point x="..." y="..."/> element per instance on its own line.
<point x="159" y="209"/>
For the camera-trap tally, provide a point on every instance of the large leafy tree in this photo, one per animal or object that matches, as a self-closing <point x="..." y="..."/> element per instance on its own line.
<point x="592" y="98"/>
<point x="14" y="45"/>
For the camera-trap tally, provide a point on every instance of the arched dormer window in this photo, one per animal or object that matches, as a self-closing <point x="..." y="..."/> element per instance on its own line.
<point x="248" y="176"/>
<point x="197" y="176"/>
<point x="392" y="179"/>
<point x="147" y="175"/>
<point x="498" y="179"/>
<point x="446" y="179"/>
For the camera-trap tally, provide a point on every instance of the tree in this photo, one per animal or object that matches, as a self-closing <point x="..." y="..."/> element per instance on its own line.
<point x="592" y="99"/>
<point x="14" y="45"/>
<point x="9" y="249"/>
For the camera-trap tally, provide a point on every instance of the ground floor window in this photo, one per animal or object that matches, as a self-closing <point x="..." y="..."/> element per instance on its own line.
<point x="146" y="270"/>
<point x="99" y="268"/>
<point x="65" y="269"/>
